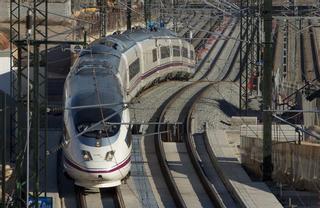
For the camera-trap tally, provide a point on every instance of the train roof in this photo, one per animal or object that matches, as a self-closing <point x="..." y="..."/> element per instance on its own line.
<point x="128" y="38"/>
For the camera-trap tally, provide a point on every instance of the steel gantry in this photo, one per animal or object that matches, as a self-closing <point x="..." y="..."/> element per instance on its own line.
<point x="21" y="45"/>
<point x="30" y="169"/>
<point x="250" y="45"/>
<point x="103" y="17"/>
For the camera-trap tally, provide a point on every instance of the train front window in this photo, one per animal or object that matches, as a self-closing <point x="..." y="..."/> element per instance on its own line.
<point x="90" y="121"/>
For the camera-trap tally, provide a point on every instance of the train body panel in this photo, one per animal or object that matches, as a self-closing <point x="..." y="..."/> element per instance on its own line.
<point x="107" y="75"/>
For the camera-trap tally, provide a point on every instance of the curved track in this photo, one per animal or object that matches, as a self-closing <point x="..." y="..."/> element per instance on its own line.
<point x="151" y="109"/>
<point x="209" y="170"/>
<point x="184" y="180"/>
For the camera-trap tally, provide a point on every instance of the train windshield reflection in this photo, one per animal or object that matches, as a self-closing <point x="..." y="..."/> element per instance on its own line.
<point x="87" y="118"/>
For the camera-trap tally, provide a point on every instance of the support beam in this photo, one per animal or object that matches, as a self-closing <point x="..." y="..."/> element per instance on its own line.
<point x="249" y="48"/>
<point x="129" y="8"/>
<point x="267" y="91"/>
<point x="146" y="7"/>
<point x="38" y="100"/>
<point x="103" y="17"/>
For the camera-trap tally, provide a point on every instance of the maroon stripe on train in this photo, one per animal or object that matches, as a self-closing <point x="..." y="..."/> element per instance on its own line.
<point x="124" y="163"/>
<point x="148" y="73"/>
<point x="155" y="69"/>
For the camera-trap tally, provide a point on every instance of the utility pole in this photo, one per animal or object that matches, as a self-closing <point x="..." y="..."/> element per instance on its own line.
<point x="249" y="54"/>
<point x="3" y="140"/>
<point x="267" y="91"/>
<point x="147" y="15"/>
<point x="33" y="173"/>
<point x="173" y="5"/>
<point x="103" y="17"/>
<point x="129" y="14"/>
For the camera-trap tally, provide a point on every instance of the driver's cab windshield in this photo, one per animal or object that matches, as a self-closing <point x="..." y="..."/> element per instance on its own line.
<point x="90" y="121"/>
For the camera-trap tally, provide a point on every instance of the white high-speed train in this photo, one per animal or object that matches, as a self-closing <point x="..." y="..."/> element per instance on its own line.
<point x="105" y="77"/>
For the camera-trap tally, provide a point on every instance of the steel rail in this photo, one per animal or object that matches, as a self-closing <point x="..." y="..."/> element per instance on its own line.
<point x="214" y="197"/>
<point x="80" y="197"/>
<point x="215" y="59"/>
<point x="315" y="52"/>
<point x="119" y="198"/>
<point x="203" y="61"/>
<point x="200" y="36"/>
<point x="112" y="197"/>
<point x="233" y="192"/>
<point x="177" y="197"/>
<point x="210" y="190"/>
<point x="302" y="59"/>
<point x="231" y="61"/>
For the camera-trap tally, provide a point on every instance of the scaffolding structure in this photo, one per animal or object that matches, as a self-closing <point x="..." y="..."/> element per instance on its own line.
<point x="103" y="17"/>
<point x="250" y="46"/>
<point x="38" y="99"/>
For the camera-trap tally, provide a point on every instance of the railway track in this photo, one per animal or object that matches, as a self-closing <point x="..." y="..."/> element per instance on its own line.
<point x="201" y="36"/>
<point x="315" y="52"/>
<point x="193" y="20"/>
<point x="307" y="62"/>
<point x="100" y="198"/>
<point x="214" y="55"/>
<point x="151" y="108"/>
<point x="174" y="111"/>
<point x="168" y="153"/>
<point x="206" y="162"/>
<point x="163" y="156"/>
<point x="202" y="32"/>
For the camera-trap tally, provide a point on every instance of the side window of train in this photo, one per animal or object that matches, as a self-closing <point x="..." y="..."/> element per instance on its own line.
<point x="184" y="52"/>
<point x="191" y="54"/>
<point x="134" y="68"/>
<point x="154" y="55"/>
<point x="176" y="51"/>
<point x="165" y="52"/>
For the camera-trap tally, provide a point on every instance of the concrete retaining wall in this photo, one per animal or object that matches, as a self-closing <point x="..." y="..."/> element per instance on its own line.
<point x="293" y="164"/>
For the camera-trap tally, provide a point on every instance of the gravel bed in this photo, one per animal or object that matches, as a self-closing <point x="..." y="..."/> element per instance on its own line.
<point x="151" y="100"/>
<point x="218" y="103"/>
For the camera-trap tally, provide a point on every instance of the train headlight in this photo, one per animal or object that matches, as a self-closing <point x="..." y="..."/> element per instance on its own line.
<point x="86" y="155"/>
<point x="109" y="155"/>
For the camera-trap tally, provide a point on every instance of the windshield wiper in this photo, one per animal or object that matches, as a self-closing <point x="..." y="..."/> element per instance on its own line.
<point x="101" y="122"/>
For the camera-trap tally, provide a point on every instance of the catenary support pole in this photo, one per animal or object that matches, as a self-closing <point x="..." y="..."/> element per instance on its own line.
<point x="267" y="91"/>
<point x="129" y="14"/>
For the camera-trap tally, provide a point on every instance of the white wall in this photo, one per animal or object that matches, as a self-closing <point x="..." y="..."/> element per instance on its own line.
<point x="63" y="7"/>
<point x="5" y="71"/>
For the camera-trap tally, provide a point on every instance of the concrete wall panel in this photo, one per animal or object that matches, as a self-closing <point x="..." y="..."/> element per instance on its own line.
<point x="293" y="163"/>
